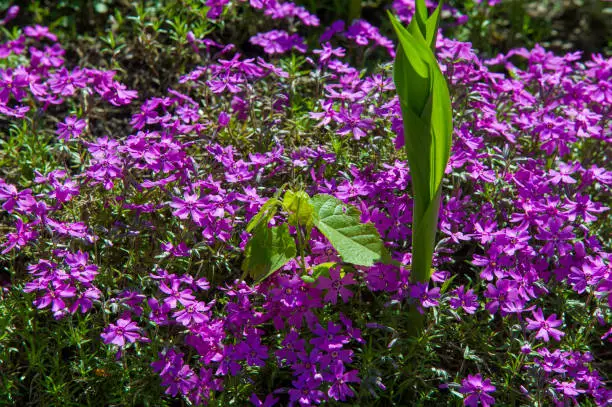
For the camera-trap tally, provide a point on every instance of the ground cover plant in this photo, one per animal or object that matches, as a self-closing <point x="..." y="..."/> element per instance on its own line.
<point x="216" y="207"/>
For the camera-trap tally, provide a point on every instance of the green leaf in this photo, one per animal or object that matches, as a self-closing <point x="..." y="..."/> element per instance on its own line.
<point x="318" y="270"/>
<point x="268" y="250"/>
<point x="299" y="207"/>
<point x="417" y="26"/>
<point x="267" y="212"/>
<point x="356" y="242"/>
<point x="407" y="41"/>
<point x="427" y="114"/>
<point x="432" y="27"/>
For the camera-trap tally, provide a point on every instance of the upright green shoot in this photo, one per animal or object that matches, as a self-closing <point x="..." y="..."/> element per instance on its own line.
<point x="427" y="115"/>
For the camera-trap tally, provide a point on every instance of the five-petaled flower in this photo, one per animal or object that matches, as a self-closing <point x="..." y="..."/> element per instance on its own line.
<point x="476" y="389"/>
<point x="546" y="327"/>
<point x="125" y="330"/>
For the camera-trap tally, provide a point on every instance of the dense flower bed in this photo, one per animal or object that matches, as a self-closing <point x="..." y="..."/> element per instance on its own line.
<point x="141" y="233"/>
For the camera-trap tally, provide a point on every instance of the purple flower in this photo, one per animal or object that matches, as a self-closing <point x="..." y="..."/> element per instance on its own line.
<point x="268" y="402"/>
<point x="191" y="205"/>
<point x="334" y="28"/>
<point x="568" y="388"/>
<point x="476" y="390"/>
<point x="278" y="42"/>
<point x="124" y="330"/>
<point x="55" y="296"/>
<point x="292" y="349"/>
<point x="11" y="13"/>
<point x="584" y="207"/>
<point x="328" y="52"/>
<point x="585" y="276"/>
<point x="168" y="361"/>
<point x="20" y="237"/>
<point x="329" y="339"/>
<point x="353" y="123"/>
<point x="546" y="327"/>
<point x="229" y="82"/>
<point x="195" y="312"/>
<point x="466" y="300"/>
<point x="12" y="82"/>
<point x="175" y="294"/>
<point x="336" y="286"/>
<point x="39" y="32"/>
<point x="12" y="196"/>
<point x="426" y="298"/>
<point x="71" y="128"/>
<point x="253" y="351"/>
<point x="500" y="294"/>
<point x="339" y="389"/>
<point x="180" y="379"/>
<point x="306" y="392"/>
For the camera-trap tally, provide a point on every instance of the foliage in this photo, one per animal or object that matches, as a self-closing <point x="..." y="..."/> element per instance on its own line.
<point x="143" y="171"/>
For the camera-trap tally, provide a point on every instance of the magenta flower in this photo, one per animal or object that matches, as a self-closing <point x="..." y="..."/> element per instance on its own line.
<point x="339" y="390"/>
<point x="39" y="32"/>
<point x="11" y="13"/>
<point x="353" y="123"/>
<point x="20" y="237"/>
<point x="464" y="299"/>
<point x="328" y="52"/>
<point x="71" y="128"/>
<point x="191" y="205"/>
<point x="124" y="330"/>
<point x="55" y="296"/>
<point x="329" y="339"/>
<point x="336" y="286"/>
<point x="253" y="351"/>
<point x="476" y="390"/>
<point x="426" y="298"/>
<point x="583" y="207"/>
<point x="181" y="380"/>
<point x="175" y="294"/>
<point x="546" y="327"/>
<point x="269" y="401"/>
<point x="278" y="42"/>
<point x="194" y="312"/>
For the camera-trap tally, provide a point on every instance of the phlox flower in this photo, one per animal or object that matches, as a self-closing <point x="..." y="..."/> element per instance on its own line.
<point x="306" y="392"/>
<point x="465" y="299"/>
<point x="426" y="298"/>
<point x="546" y="327"/>
<point x="125" y="330"/>
<point x="195" y="312"/>
<point x="55" y="296"/>
<point x="191" y="205"/>
<point x="70" y="128"/>
<point x="336" y="285"/>
<point x="23" y="234"/>
<point x="269" y="401"/>
<point x="476" y="390"/>
<point x="181" y="380"/>
<point x="339" y="390"/>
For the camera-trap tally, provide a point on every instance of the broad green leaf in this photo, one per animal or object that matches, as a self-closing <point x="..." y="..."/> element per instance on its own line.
<point x="299" y="207"/>
<point x="268" y="250"/>
<point x="356" y="242"/>
<point x="266" y="212"/>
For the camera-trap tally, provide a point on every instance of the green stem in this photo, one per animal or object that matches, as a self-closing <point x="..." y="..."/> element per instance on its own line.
<point x="354" y="10"/>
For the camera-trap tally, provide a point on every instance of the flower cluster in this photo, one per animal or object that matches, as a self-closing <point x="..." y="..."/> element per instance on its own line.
<point x="162" y="211"/>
